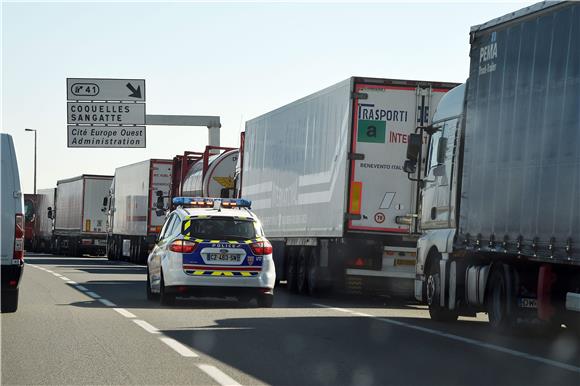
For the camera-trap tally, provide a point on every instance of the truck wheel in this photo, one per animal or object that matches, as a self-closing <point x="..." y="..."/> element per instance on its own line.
<point x="314" y="286"/>
<point x="291" y="274"/>
<point x="150" y="294"/>
<point x="9" y="301"/>
<point x="433" y="291"/>
<point x="302" y="272"/>
<point x="498" y="299"/>
<point x="165" y="298"/>
<point x="266" y="300"/>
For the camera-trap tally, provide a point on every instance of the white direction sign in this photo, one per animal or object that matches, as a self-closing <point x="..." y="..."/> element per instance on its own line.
<point x="86" y="89"/>
<point x="103" y="113"/>
<point x="106" y="136"/>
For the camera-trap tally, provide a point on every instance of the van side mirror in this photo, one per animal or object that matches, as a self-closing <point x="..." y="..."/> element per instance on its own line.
<point x="441" y="150"/>
<point x="50" y="214"/>
<point x="413" y="147"/>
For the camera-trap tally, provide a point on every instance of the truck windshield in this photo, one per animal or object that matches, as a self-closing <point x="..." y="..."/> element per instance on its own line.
<point x="220" y="228"/>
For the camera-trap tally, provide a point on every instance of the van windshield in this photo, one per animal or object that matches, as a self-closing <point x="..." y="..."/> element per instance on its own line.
<point x="220" y="228"/>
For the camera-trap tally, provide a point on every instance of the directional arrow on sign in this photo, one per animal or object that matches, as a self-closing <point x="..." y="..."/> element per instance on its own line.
<point x="136" y="93"/>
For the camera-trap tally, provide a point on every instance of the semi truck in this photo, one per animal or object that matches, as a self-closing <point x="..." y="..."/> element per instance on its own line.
<point x="80" y="216"/>
<point x="38" y="226"/>
<point x="137" y="198"/>
<point x="500" y="210"/>
<point x="324" y="176"/>
<point x="210" y="173"/>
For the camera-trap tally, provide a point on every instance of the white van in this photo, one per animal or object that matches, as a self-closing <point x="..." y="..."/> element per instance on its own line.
<point x="12" y="226"/>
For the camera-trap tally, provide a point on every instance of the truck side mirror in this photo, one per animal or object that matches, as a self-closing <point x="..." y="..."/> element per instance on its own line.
<point x="50" y="214"/>
<point x="413" y="147"/>
<point x="441" y="150"/>
<point x="159" y="203"/>
<point x="410" y="166"/>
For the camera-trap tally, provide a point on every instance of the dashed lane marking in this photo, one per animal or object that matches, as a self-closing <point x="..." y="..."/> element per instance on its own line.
<point x="71" y="282"/>
<point x="106" y="302"/>
<point x="124" y="312"/>
<point x="474" y="342"/>
<point x="93" y="295"/>
<point x="64" y="278"/>
<point x="146" y="326"/>
<point x="179" y="348"/>
<point x="218" y="375"/>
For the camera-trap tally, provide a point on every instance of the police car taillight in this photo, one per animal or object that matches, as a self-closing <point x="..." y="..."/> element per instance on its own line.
<point x="182" y="246"/>
<point x="261" y="248"/>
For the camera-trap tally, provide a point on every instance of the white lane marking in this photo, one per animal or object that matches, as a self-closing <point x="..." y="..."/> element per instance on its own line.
<point x="81" y="288"/>
<point x="474" y="342"/>
<point x="64" y="278"/>
<point x="218" y="375"/>
<point x="57" y="274"/>
<point x="106" y="302"/>
<point x="71" y="282"/>
<point x="93" y="295"/>
<point x="179" y="348"/>
<point x="124" y="312"/>
<point x="146" y="326"/>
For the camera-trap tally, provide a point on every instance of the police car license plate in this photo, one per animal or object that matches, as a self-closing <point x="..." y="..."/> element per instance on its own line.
<point x="224" y="257"/>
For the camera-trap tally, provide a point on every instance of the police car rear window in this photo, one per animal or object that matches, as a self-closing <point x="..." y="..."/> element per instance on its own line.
<point x="219" y="228"/>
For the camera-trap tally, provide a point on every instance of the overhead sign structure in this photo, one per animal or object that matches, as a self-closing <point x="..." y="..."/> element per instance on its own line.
<point x="102" y="113"/>
<point x="85" y="89"/>
<point x="106" y="136"/>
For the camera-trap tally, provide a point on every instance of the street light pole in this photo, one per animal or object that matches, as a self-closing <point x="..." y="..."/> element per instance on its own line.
<point x="34" y="157"/>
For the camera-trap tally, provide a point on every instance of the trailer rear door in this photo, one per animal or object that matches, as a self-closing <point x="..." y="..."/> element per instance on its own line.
<point x="383" y="117"/>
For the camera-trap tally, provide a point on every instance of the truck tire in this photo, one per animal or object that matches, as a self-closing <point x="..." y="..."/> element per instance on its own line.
<point x="314" y="285"/>
<point x="499" y="296"/>
<point x="433" y="291"/>
<point x="9" y="301"/>
<point x="302" y="272"/>
<point x="166" y="299"/>
<point x="291" y="271"/>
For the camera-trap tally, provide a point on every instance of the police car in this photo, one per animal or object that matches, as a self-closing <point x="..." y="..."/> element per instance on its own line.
<point x="211" y="247"/>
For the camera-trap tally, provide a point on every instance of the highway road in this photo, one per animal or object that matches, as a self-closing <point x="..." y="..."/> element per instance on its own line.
<point x="87" y="321"/>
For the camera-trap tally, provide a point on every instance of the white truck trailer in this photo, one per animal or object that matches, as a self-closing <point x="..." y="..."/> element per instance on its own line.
<point x="139" y="193"/>
<point x="501" y="198"/>
<point x="80" y="218"/>
<point x="324" y="176"/>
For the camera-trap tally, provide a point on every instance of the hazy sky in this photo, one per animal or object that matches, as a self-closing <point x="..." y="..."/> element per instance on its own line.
<point x="235" y="60"/>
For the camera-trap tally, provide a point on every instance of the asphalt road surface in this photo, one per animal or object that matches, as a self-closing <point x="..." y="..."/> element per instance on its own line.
<point x="87" y="321"/>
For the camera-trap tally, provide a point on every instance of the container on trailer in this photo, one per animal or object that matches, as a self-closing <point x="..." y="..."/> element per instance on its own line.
<point x="324" y="175"/>
<point x="80" y="217"/>
<point x="139" y="195"/>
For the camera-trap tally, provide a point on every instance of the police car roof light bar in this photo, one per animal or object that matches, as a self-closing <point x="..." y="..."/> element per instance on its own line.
<point x="209" y="202"/>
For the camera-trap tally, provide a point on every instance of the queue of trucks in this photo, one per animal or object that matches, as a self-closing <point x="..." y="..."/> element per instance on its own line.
<point x="483" y="216"/>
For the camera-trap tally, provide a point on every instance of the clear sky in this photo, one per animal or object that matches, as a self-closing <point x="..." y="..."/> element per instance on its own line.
<point x="235" y="60"/>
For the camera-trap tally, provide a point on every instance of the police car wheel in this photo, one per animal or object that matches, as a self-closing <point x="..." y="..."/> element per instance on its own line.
<point x="165" y="298"/>
<point x="266" y="301"/>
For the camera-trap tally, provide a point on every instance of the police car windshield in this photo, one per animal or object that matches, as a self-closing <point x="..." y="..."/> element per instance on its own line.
<point x="219" y="228"/>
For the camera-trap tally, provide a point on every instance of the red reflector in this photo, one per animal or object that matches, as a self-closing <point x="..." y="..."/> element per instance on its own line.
<point x="261" y="248"/>
<point x="359" y="262"/>
<point x="19" y="237"/>
<point x="182" y="246"/>
<point x="12" y="283"/>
